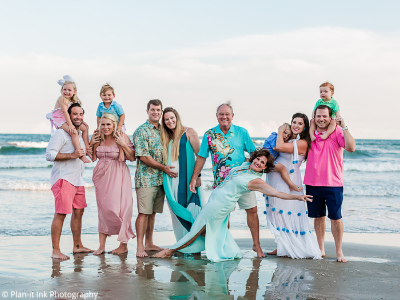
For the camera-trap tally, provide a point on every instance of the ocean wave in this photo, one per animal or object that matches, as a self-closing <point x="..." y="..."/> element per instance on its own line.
<point x="386" y="191"/>
<point x="24" y="164"/>
<point x="25" y="144"/>
<point x="15" y="150"/>
<point x="23" y="185"/>
<point x="258" y="142"/>
<point x="372" y="153"/>
<point x="373" y="166"/>
<point x="361" y="154"/>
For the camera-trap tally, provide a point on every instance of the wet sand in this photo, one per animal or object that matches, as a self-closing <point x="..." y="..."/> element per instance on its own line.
<point x="28" y="272"/>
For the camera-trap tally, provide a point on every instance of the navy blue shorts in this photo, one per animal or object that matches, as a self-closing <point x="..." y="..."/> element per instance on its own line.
<point x="323" y="197"/>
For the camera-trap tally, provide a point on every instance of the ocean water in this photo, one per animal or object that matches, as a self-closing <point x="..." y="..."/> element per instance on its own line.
<point x="371" y="189"/>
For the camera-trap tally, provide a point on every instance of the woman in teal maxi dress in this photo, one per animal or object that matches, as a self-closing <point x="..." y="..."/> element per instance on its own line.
<point x="219" y="244"/>
<point x="180" y="147"/>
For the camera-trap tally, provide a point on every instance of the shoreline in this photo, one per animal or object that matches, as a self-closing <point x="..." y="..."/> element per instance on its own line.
<point x="371" y="271"/>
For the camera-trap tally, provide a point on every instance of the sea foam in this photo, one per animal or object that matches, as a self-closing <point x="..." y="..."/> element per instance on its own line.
<point x="24" y="185"/>
<point x="25" y="144"/>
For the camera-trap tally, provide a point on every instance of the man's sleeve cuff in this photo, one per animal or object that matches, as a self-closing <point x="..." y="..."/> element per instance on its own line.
<point x="51" y="156"/>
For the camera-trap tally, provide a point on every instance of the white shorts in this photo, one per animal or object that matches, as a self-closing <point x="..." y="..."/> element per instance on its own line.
<point x="248" y="200"/>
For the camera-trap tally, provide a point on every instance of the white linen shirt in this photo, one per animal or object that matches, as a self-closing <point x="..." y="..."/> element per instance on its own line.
<point x="70" y="170"/>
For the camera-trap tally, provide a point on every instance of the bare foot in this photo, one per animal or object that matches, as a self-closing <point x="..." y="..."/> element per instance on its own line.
<point x="99" y="251"/>
<point x="313" y="138"/>
<point x="295" y="188"/>
<point x="340" y="257"/>
<point x="273" y="252"/>
<point x="123" y="248"/>
<point x="141" y="253"/>
<point x="58" y="255"/>
<point x="259" y="251"/>
<point x="81" y="249"/>
<point x="164" y="253"/>
<point x="153" y="248"/>
<point x="85" y="160"/>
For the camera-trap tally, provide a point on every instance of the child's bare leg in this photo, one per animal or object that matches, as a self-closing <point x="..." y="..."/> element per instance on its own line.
<point x="121" y="154"/>
<point x="85" y="135"/>
<point x="312" y="129"/>
<point x="168" y="252"/>
<point x="285" y="176"/>
<point x="331" y="128"/>
<point x="75" y="141"/>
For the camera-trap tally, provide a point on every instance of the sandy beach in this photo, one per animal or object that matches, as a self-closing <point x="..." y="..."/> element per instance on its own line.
<point x="28" y="272"/>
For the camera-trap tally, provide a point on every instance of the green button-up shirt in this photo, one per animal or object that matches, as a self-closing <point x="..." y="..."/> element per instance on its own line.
<point x="147" y="141"/>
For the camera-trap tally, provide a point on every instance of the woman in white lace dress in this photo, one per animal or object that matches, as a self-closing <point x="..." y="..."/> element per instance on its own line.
<point x="288" y="220"/>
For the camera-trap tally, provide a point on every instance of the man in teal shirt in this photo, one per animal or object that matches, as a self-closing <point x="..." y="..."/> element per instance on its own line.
<point x="226" y="143"/>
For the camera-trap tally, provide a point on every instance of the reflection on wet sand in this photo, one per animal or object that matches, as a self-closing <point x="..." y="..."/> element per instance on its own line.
<point x="206" y="280"/>
<point x="212" y="278"/>
<point x="78" y="263"/>
<point x="194" y="277"/>
<point x="289" y="282"/>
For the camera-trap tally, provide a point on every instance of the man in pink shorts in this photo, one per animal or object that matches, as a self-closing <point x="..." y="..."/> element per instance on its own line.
<point x="67" y="183"/>
<point x="324" y="177"/>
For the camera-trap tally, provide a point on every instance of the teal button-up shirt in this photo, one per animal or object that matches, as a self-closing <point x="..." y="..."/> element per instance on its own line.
<point x="114" y="108"/>
<point x="227" y="151"/>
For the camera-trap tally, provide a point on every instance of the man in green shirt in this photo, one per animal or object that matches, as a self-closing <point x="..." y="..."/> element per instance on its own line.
<point x="149" y="176"/>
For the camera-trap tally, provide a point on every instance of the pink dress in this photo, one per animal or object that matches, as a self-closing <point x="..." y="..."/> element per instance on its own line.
<point x="56" y="118"/>
<point x="113" y="185"/>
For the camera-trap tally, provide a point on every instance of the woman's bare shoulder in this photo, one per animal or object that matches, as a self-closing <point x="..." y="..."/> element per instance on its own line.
<point x="190" y="132"/>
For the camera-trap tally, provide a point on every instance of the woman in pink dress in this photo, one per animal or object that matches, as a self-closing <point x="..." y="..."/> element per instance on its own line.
<point x="113" y="185"/>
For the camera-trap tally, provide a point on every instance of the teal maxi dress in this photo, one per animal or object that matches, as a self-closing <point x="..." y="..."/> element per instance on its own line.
<point x="184" y="205"/>
<point x="218" y="242"/>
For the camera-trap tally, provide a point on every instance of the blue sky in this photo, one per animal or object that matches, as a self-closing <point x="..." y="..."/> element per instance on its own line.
<point x="267" y="57"/>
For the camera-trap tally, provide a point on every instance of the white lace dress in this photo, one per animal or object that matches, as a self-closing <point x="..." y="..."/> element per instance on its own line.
<point x="287" y="219"/>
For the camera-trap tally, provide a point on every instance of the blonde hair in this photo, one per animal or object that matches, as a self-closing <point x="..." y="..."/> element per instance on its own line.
<point x="113" y="118"/>
<point x="167" y="135"/>
<point x="329" y="85"/>
<point x="74" y="98"/>
<point x="288" y="126"/>
<point x="105" y="88"/>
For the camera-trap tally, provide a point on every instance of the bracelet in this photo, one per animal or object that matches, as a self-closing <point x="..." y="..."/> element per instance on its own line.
<point x="345" y="128"/>
<point x="199" y="175"/>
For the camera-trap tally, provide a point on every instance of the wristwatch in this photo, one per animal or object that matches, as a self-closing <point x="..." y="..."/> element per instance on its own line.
<point x="345" y="128"/>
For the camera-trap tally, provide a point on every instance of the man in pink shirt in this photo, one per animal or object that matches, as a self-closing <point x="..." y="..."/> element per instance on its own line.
<point x="324" y="177"/>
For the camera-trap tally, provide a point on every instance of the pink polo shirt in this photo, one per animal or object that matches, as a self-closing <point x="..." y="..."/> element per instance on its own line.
<point x="325" y="161"/>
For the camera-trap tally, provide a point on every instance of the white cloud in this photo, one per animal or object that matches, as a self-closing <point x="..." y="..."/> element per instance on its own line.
<point x="267" y="77"/>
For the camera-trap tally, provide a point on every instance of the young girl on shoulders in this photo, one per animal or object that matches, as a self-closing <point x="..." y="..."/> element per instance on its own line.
<point x="59" y="117"/>
<point x="270" y="144"/>
<point x="326" y="91"/>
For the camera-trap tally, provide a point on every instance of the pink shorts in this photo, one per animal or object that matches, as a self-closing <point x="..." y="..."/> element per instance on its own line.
<point x="67" y="196"/>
